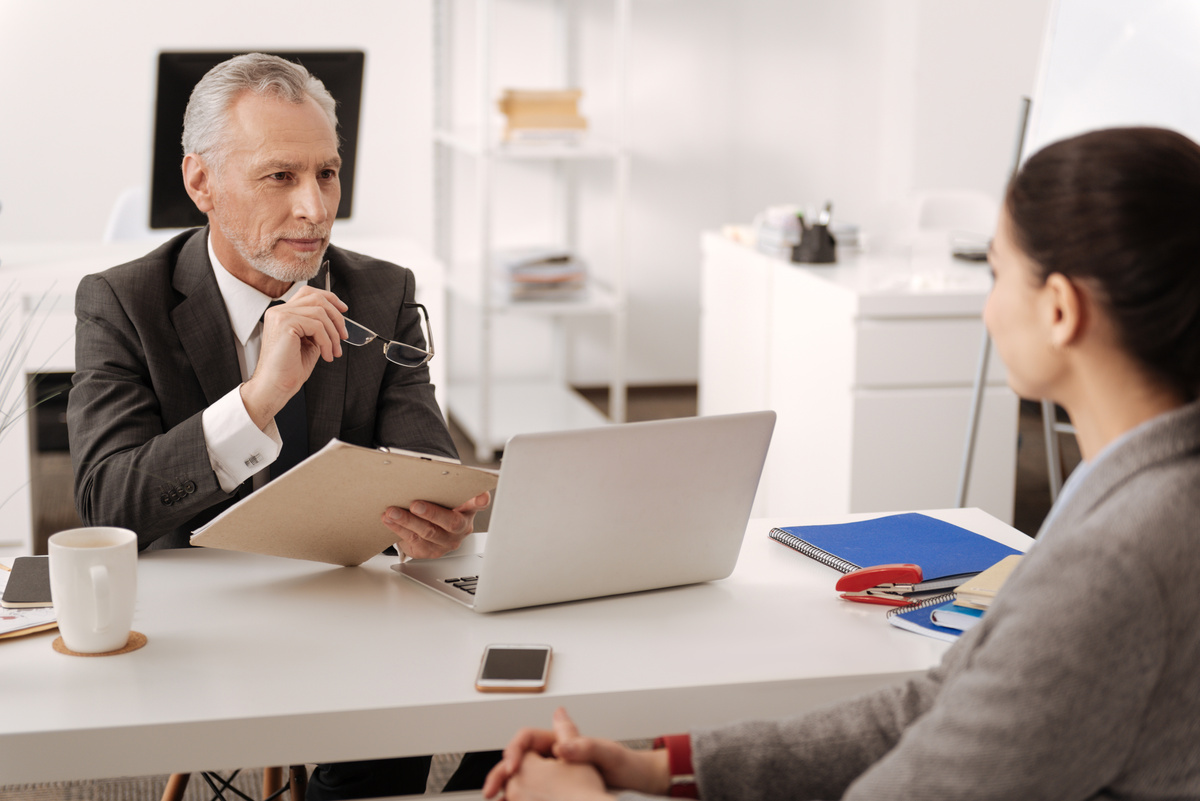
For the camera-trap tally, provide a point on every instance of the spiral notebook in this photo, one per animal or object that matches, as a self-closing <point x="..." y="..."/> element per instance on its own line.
<point x="948" y="554"/>
<point x="918" y="618"/>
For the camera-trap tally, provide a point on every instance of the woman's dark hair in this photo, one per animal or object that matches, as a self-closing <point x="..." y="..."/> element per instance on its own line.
<point x="1118" y="210"/>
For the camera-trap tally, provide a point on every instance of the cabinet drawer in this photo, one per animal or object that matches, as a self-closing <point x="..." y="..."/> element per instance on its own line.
<point x="921" y="353"/>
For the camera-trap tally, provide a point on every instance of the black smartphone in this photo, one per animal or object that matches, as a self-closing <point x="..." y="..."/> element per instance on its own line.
<point x="28" y="583"/>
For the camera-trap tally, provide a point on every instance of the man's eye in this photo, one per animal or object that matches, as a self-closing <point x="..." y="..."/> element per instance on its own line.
<point x="329" y="174"/>
<point x="278" y="176"/>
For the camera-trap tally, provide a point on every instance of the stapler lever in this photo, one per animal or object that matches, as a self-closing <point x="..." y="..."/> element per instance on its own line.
<point x="881" y="584"/>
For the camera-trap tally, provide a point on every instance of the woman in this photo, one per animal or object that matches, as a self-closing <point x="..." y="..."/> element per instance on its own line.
<point x="1083" y="680"/>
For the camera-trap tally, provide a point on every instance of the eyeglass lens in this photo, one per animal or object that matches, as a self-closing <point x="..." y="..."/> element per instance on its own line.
<point x="405" y="355"/>
<point x="396" y="352"/>
<point x="357" y="334"/>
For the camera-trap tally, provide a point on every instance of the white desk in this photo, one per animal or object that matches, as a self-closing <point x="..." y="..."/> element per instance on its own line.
<point x="869" y="364"/>
<point x="48" y="273"/>
<point x="257" y="661"/>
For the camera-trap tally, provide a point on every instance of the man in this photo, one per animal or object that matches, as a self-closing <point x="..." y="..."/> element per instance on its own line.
<point x="188" y="389"/>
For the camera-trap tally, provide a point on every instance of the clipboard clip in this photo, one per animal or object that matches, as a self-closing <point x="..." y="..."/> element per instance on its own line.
<point x="886" y="585"/>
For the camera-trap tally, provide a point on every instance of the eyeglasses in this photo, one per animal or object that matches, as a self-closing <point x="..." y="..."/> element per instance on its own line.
<point x="399" y="353"/>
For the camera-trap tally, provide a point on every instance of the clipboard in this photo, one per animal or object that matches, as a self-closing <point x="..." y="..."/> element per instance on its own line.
<point x="327" y="508"/>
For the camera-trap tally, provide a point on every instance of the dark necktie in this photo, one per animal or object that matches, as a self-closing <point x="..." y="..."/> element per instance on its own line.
<point x="292" y="422"/>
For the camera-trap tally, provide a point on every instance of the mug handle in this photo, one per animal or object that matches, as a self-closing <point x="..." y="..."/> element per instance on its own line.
<point x="103" y="595"/>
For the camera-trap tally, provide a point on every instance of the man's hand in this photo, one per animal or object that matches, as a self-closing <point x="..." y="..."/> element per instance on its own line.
<point x="618" y="766"/>
<point x="306" y="328"/>
<point x="427" y="531"/>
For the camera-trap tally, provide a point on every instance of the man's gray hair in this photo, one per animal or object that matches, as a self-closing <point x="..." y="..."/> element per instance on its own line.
<point x="207" y="112"/>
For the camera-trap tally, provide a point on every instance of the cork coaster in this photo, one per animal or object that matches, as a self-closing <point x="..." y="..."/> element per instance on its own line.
<point x="136" y="641"/>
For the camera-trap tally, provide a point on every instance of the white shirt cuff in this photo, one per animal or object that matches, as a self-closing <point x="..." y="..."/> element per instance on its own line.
<point x="237" y="448"/>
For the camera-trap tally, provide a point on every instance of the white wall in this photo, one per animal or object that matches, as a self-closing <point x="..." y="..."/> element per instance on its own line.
<point x="864" y="102"/>
<point x="77" y="94"/>
<point x="736" y="104"/>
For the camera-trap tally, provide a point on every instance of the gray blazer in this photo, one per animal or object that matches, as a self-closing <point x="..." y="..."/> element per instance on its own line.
<point x="154" y="348"/>
<point x="1082" y="681"/>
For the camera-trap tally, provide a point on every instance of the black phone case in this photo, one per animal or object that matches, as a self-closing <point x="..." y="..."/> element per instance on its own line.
<point x="28" y="583"/>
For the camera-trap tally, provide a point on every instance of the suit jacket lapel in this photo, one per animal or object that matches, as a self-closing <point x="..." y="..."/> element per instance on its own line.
<point x="202" y="322"/>
<point x="325" y="390"/>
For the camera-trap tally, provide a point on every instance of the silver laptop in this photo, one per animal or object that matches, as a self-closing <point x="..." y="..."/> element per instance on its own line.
<point x="606" y="511"/>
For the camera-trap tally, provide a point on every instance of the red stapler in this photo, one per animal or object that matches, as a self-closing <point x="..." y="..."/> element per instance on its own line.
<point x="881" y="584"/>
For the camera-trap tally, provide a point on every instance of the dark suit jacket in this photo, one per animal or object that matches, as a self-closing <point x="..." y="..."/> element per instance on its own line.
<point x="154" y="348"/>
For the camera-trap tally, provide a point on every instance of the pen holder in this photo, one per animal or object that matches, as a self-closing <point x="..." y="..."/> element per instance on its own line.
<point x="817" y="246"/>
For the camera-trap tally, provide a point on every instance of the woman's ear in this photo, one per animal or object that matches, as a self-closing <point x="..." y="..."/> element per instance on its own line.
<point x="1066" y="309"/>
<point x="198" y="180"/>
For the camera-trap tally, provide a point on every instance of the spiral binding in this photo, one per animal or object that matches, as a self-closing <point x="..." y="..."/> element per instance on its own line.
<point x="934" y="601"/>
<point x="812" y="551"/>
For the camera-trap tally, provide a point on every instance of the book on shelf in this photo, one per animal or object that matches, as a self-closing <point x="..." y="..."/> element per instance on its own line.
<point x="542" y="115"/>
<point x="541" y="274"/>
<point x="947" y="554"/>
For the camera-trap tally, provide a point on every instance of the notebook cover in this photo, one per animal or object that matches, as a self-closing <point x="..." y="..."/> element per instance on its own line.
<point x="941" y="549"/>
<point x="919" y="619"/>
<point x="980" y="590"/>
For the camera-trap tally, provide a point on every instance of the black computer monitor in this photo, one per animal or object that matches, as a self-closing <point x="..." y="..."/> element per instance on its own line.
<point x="178" y="74"/>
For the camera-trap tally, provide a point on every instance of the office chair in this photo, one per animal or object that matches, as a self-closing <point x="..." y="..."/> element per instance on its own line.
<point x="1053" y="430"/>
<point x="272" y="786"/>
<point x="954" y="210"/>
<point x="129" y="219"/>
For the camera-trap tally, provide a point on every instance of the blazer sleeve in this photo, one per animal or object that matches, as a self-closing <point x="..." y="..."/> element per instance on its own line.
<point x="1012" y="712"/>
<point x="130" y="470"/>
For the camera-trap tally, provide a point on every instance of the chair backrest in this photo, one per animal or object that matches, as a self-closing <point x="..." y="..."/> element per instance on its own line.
<point x="130" y="218"/>
<point x="954" y="210"/>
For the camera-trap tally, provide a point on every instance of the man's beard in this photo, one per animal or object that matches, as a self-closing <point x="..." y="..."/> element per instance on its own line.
<point x="261" y="254"/>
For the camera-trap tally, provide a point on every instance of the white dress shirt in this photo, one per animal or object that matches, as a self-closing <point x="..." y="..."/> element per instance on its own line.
<point x="237" y="448"/>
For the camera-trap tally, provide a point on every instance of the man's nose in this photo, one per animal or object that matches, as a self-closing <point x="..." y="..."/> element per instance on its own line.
<point x="309" y="202"/>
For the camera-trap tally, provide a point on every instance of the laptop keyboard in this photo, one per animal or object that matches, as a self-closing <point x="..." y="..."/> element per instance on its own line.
<point x="464" y="583"/>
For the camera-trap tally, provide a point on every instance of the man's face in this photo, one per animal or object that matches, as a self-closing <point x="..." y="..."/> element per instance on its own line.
<point x="276" y="194"/>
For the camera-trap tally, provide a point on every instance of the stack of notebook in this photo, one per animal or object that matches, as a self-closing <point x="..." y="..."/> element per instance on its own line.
<point x="948" y="616"/>
<point x="950" y="557"/>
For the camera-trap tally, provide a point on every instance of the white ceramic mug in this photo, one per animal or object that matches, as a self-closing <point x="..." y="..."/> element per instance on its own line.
<point x="93" y="584"/>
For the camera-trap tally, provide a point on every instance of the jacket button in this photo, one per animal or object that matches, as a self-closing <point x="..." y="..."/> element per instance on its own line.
<point x="189" y="487"/>
<point x="166" y="499"/>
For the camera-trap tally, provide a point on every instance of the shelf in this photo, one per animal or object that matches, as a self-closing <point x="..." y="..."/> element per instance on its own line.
<point x="598" y="299"/>
<point x="490" y="407"/>
<point x="520" y="406"/>
<point x="466" y="141"/>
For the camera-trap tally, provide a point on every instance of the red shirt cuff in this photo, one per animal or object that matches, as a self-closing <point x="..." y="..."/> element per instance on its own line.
<point x="679" y="763"/>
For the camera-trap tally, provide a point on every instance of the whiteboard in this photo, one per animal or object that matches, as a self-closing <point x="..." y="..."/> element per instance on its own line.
<point x="1106" y="63"/>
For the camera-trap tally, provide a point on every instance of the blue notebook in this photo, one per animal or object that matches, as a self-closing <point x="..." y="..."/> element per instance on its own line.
<point x="919" y="618"/>
<point x="948" y="554"/>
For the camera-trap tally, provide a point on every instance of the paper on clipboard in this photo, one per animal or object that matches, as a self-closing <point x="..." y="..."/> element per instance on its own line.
<point x="327" y="508"/>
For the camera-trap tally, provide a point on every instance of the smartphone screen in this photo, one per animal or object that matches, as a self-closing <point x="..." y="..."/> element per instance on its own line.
<point x="514" y="668"/>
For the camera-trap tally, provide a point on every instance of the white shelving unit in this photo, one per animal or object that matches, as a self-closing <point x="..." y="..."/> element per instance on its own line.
<point x="489" y="406"/>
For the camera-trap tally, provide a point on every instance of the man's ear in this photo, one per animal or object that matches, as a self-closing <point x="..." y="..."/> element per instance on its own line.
<point x="1067" y="309"/>
<point x="198" y="181"/>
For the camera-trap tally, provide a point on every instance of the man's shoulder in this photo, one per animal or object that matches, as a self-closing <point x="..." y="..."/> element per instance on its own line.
<point x="362" y="263"/>
<point x="158" y="262"/>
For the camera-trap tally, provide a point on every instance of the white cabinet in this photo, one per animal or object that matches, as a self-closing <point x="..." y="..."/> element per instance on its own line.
<point x="483" y="188"/>
<point x="869" y="365"/>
